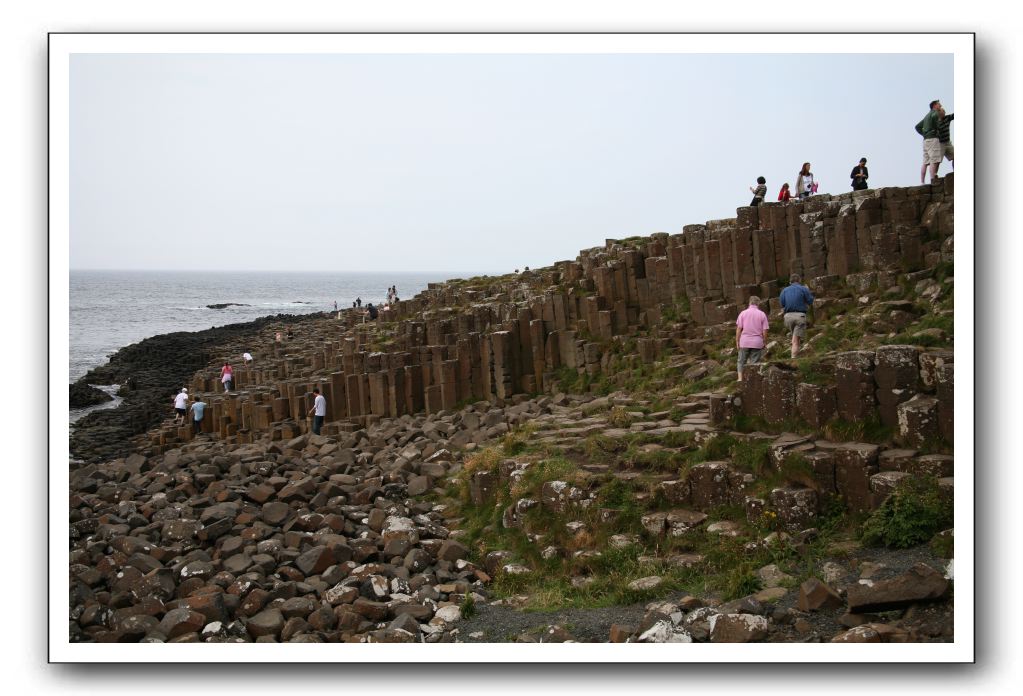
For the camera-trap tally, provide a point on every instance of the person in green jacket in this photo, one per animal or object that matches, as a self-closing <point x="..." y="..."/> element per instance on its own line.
<point x="933" y="151"/>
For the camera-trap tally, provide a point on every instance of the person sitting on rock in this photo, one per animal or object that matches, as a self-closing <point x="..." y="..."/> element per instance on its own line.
<point x="372" y="311"/>
<point x="750" y="334"/>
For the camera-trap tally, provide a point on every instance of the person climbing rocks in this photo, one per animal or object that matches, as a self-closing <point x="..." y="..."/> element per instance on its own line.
<point x="198" y="408"/>
<point x="180" y="405"/>
<point x="933" y="151"/>
<point x="227" y="377"/>
<point x="859" y="175"/>
<point x="247" y="357"/>
<point x="805" y="184"/>
<point x="318" y="411"/>
<point x="759" y="192"/>
<point x="795" y="303"/>
<point x="751" y="328"/>
<point x="372" y="311"/>
<point x="785" y="195"/>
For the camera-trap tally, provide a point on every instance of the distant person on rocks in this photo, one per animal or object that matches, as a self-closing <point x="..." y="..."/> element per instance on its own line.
<point x="759" y="192"/>
<point x="859" y="175"/>
<point x="247" y="357"/>
<point x="180" y="405"/>
<point x="805" y="184"/>
<point x="795" y="303"/>
<point x="372" y="311"/>
<point x="785" y="195"/>
<point x="358" y="301"/>
<point x="353" y="304"/>
<point x="291" y="334"/>
<point x="335" y="306"/>
<point x="945" y="136"/>
<point x="750" y="334"/>
<point x="318" y="411"/>
<point x="198" y="408"/>
<point x="933" y="152"/>
<point x="227" y="377"/>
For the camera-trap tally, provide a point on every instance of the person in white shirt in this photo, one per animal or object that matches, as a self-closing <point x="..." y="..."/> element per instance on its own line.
<point x="318" y="411"/>
<point x="247" y="357"/>
<point x="180" y="405"/>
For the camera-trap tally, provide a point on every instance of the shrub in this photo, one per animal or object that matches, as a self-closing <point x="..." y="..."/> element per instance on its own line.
<point x="912" y="514"/>
<point x="618" y="417"/>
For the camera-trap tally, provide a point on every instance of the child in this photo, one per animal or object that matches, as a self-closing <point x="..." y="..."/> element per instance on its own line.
<point x="784" y="195"/>
<point x="759" y="192"/>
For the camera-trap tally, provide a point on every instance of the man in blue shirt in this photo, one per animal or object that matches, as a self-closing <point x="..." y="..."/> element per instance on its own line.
<point x="197" y="408"/>
<point x="795" y="302"/>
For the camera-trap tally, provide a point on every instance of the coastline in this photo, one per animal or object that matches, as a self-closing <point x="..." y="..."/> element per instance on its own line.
<point x="158" y="366"/>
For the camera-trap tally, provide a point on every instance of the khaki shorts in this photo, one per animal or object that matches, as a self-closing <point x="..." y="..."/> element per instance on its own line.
<point x="795" y="323"/>
<point x="933" y="151"/>
<point x="949" y="151"/>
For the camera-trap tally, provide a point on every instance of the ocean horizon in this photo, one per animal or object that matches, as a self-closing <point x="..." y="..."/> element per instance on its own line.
<point x="111" y="309"/>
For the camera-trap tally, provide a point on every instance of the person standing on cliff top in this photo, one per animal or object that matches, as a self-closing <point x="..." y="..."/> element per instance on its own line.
<point x="358" y="302"/>
<point x="198" y="408"/>
<point x="750" y="334"/>
<point x="227" y="377"/>
<point x="180" y="405"/>
<point x="318" y="411"/>
<point x="945" y="136"/>
<point x="759" y="193"/>
<point x="805" y="185"/>
<point x="933" y="152"/>
<point x="795" y="302"/>
<point x="859" y="175"/>
<point x="785" y="194"/>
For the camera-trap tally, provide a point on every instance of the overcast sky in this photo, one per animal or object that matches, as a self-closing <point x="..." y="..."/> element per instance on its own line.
<point x="460" y="163"/>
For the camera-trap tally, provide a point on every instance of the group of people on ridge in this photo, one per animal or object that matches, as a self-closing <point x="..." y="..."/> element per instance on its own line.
<point x="806" y="185"/>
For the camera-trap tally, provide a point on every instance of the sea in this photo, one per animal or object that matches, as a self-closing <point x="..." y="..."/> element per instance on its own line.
<point x="113" y="309"/>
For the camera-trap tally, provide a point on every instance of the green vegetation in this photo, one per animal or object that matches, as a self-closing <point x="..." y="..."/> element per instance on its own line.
<point x="911" y="515"/>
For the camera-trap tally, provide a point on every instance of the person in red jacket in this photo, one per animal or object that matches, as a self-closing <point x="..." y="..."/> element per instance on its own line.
<point x="784" y="195"/>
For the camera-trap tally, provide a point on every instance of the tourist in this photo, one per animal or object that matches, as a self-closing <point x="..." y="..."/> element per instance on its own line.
<point x="859" y="175"/>
<point x="759" y="192"/>
<point x="227" y="377"/>
<point x="805" y="185"/>
<point x="945" y="136"/>
<point x="335" y="306"/>
<point x="371" y="311"/>
<point x="291" y="334"/>
<point x="928" y="128"/>
<point x="318" y="411"/>
<point x="358" y="302"/>
<point x="750" y="334"/>
<point x="795" y="303"/>
<point x="180" y="405"/>
<point x="247" y="357"/>
<point x="785" y="194"/>
<point x="197" y="408"/>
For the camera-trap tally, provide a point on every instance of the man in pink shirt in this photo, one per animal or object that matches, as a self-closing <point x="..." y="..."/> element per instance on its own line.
<point x="750" y="334"/>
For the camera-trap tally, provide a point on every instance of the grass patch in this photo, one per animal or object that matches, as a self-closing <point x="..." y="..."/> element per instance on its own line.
<point x="914" y="512"/>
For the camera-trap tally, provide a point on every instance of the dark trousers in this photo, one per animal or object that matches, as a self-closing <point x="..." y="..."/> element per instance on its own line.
<point x="196" y="426"/>
<point x="317" y="424"/>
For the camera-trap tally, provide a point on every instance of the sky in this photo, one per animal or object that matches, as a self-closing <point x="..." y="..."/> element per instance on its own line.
<point x="468" y="164"/>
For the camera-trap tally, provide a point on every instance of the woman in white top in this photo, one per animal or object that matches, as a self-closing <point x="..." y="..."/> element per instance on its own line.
<point x="804" y="181"/>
